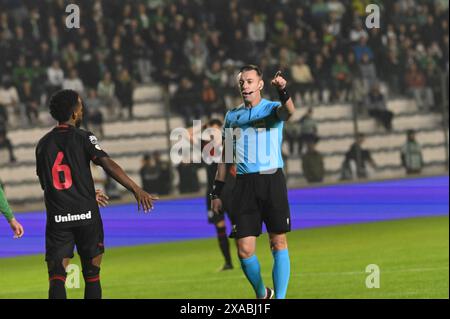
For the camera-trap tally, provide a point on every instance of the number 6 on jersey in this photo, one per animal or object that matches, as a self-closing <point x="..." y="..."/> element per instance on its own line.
<point x="56" y="169"/>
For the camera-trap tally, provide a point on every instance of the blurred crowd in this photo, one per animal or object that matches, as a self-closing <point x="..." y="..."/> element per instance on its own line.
<point x="323" y="47"/>
<point x="194" y="47"/>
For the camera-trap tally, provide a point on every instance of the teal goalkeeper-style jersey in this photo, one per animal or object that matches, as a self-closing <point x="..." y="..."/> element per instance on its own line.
<point x="255" y="135"/>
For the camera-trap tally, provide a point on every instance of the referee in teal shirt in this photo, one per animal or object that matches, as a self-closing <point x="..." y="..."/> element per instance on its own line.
<point x="253" y="131"/>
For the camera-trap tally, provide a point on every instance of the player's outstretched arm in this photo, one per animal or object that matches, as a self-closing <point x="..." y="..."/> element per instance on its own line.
<point x="143" y="199"/>
<point x="287" y="108"/>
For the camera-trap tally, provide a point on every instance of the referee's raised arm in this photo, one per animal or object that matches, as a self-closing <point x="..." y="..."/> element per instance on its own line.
<point x="287" y="108"/>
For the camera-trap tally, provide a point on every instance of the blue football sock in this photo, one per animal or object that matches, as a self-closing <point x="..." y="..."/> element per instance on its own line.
<point x="281" y="272"/>
<point x="252" y="270"/>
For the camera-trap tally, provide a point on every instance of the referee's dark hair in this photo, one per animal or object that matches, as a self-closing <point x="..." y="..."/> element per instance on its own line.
<point x="62" y="104"/>
<point x="251" y="67"/>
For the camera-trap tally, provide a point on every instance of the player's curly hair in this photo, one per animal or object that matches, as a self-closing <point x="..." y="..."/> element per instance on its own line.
<point x="62" y="104"/>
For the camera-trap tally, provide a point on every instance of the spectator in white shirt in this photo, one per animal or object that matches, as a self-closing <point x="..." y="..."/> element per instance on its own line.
<point x="74" y="82"/>
<point x="357" y="33"/>
<point x="302" y="79"/>
<point x="9" y="100"/>
<point x="55" y="77"/>
<point x="256" y="30"/>
<point x="106" y="91"/>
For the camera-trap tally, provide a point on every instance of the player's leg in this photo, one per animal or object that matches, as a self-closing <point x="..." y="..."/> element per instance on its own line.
<point x="281" y="265"/>
<point x="59" y="245"/>
<point x="57" y="278"/>
<point x="89" y="242"/>
<point x="224" y="243"/>
<point x="277" y="218"/>
<point x="247" y="226"/>
<point x="250" y="264"/>
<point x="91" y="275"/>
<point x="218" y="220"/>
<point x="221" y="226"/>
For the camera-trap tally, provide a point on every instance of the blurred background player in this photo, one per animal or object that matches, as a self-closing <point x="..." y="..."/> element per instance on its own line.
<point x="7" y="212"/>
<point x="260" y="193"/>
<point x="218" y="219"/>
<point x="63" y="159"/>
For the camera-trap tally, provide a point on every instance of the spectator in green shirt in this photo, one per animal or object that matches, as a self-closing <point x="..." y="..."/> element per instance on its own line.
<point x="341" y="78"/>
<point x="411" y="154"/>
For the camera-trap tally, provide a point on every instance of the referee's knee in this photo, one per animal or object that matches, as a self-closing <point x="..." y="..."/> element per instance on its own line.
<point x="244" y="254"/>
<point x="245" y="250"/>
<point x="278" y="242"/>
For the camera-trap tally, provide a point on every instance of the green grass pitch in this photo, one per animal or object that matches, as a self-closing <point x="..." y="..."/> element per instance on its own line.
<point x="330" y="262"/>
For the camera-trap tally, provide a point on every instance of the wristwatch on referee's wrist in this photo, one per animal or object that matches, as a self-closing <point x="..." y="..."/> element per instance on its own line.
<point x="217" y="190"/>
<point x="283" y="95"/>
<point x="214" y="196"/>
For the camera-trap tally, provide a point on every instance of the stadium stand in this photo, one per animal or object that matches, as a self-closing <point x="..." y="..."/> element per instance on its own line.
<point x="162" y="42"/>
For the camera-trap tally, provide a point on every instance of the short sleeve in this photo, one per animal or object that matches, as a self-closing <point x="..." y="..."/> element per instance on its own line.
<point x="92" y="147"/>
<point x="274" y="105"/>
<point x="272" y="109"/>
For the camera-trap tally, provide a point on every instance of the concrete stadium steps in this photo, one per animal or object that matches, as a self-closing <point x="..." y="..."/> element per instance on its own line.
<point x="344" y="111"/>
<point x="368" y="125"/>
<point x="326" y="112"/>
<point x="22" y="192"/>
<point x="397" y="140"/>
<point x="130" y="161"/>
<point x="158" y="125"/>
<point x="127" y="141"/>
<point x="385" y="140"/>
<point x="115" y="129"/>
<point x="381" y="158"/>
<point x="12" y="173"/>
<point x="33" y="190"/>
<point x="434" y="154"/>
<point x="112" y="147"/>
<point x="131" y="164"/>
<point x="147" y="92"/>
<point x="402" y="106"/>
<point x="146" y="109"/>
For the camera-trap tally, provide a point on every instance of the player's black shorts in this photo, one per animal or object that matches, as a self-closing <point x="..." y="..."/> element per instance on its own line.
<point x="259" y="198"/>
<point x="60" y="242"/>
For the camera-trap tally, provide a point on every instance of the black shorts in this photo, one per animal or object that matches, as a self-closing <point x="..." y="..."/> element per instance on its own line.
<point x="259" y="198"/>
<point x="60" y="242"/>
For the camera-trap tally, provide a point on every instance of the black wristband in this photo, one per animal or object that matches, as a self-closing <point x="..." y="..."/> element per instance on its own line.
<point x="284" y="95"/>
<point x="217" y="189"/>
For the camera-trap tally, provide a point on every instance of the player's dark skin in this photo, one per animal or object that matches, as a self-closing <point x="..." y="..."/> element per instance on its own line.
<point x="144" y="199"/>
